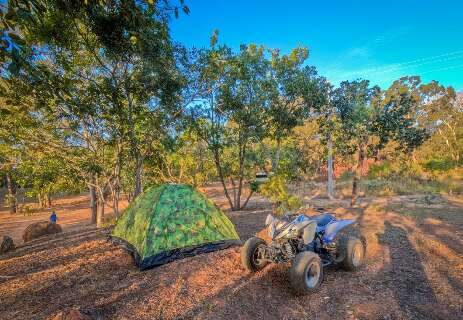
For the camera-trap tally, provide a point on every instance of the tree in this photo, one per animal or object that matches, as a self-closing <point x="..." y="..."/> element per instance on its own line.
<point x="296" y="93"/>
<point x="398" y="115"/>
<point x="353" y="104"/>
<point x="231" y="115"/>
<point x="365" y="113"/>
<point x="442" y="116"/>
<point x="15" y="121"/>
<point x="104" y="83"/>
<point x="184" y="159"/>
<point x="310" y="146"/>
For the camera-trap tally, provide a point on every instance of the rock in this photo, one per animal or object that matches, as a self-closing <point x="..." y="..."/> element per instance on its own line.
<point x="7" y="245"/>
<point x="39" y="229"/>
<point x="72" y="314"/>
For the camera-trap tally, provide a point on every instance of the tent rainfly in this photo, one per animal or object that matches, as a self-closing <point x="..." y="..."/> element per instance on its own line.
<point x="173" y="221"/>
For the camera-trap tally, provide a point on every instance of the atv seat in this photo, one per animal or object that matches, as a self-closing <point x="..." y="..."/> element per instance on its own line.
<point x="323" y="219"/>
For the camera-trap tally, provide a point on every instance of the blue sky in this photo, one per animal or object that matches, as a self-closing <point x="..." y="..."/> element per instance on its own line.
<point x="376" y="40"/>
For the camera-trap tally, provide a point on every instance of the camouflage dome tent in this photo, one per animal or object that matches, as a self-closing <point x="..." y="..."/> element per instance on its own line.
<point x="171" y="222"/>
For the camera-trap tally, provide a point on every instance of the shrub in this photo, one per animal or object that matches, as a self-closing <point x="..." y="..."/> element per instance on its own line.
<point x="346" y="176"/>
<point x="380" y="170"/>
<point x="442" y="165"/>
<point x="28" y="210"/>
<point x="277" y="193"/>
<point x="403" y="185"/>
<point x="398" y="169"/>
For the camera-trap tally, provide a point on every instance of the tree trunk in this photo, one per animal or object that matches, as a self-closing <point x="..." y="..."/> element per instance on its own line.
<point x="241" y="174"/>
<point x="93" y="202"/>
<point x="11" y="186"/>
<point x="100" y="210"/>
<point x="330" y="183"/>
<point x="358" y="173"/>
<point x="40" y="199"/>
<point x="138" y="176"/>
<point x="221" y="177"/>
<point x="116" y="198"/>
<point x="247" y="199"/>
<point x="117" y="180"/>
<point x="134" y="143"/>
<point x="233" y="185"/>
<point x="277" y="156"/>
<point x="47" y="200"/>
<point x="238" y="197"/>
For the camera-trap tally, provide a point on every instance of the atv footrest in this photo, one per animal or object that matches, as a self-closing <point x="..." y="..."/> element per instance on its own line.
<point x="327" y="262"/>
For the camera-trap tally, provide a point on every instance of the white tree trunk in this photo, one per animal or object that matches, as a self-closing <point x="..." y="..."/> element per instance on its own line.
<point x="330" y="183"/>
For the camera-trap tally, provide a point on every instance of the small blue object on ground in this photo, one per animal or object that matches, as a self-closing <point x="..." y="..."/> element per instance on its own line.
<point x="53" y="217"/>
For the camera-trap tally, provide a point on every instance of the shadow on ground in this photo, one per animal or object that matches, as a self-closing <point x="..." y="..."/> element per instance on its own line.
<point x="405" y="278"/>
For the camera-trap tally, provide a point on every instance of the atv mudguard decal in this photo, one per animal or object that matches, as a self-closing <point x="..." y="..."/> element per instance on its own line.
<point x="332" y="229"/>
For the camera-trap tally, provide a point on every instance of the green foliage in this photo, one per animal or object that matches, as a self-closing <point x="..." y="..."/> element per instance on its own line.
<point x="400" y="168"/>
<point x="186" y="159"/>
<point x="231" y="115"/>
<point x="44" y="176"/>
<point x="295" y="92"/>
<point x="381" y="170"/>
<point x="99" y="85"/>
<point x="255" y="186"/>
<point x="406" y="186"/>
<point x="346" y="176"/>
<point x="254" y="96"/>
<point x="27" y="210"/>
<point x="95" y="93"/>
<point x="277" y="193"/>
<point x="440" y="165"/>
<point x="389" y="116"/>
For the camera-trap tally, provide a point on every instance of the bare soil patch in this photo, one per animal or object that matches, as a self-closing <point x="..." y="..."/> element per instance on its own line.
<point x="414" y="271"/>
<point x="73" y="213"/>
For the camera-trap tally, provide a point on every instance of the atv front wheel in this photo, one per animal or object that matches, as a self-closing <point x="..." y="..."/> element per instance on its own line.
<point x="352" y="253"/>
<point x="306" y="273"/>
<point x="251" y="254"/>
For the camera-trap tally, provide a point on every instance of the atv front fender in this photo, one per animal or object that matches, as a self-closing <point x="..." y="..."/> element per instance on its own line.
<point x="333" y="228"/>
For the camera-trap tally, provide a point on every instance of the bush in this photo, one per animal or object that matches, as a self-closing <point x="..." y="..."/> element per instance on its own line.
<point x="407" y="185"/>
<point x="399" y="169"/>
<point x="412" y="170"/>
<point x="28" y="210"/>
<point x="381" y="170"/>
<point x="442" y="165"/>
<point x="277" y="193"/>
<point x="346" y="176"/>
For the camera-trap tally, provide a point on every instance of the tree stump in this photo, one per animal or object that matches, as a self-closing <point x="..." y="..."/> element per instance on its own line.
<point x="7" y="245"/>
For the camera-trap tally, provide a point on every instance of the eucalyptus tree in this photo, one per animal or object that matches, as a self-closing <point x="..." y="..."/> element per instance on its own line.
<point x="438" y="113"/>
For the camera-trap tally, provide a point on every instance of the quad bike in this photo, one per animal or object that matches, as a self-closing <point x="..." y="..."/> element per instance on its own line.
<point x="310" y="243"/>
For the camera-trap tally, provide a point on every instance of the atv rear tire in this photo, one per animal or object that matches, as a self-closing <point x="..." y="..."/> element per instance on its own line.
<point x="250" y="256"/>
<point x="352" y="253"/>
<point x="306" y="273"/>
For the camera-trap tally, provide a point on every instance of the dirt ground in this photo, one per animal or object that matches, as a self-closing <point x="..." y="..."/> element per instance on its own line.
<point x="73" y="213"/>
<point x="414" y="270"/>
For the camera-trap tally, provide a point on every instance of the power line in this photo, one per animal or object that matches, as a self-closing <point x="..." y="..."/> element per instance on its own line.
<point x="406" y="65"/>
